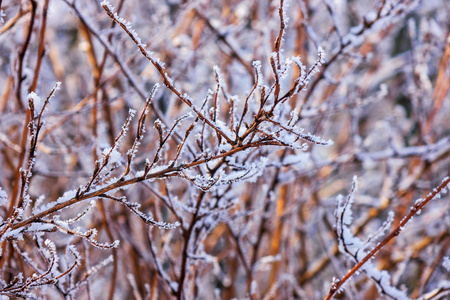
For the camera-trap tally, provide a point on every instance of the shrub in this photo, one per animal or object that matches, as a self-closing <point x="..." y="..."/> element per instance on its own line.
<point x="209" y="163"/>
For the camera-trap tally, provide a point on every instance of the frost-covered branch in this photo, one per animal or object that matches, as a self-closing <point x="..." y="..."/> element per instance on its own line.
<point x="354" y="247"/>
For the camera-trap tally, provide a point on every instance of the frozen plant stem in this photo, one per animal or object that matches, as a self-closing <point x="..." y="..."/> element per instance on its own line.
<point x="416" y="208"/>
<point x="220" y="154"/>
<point x="159" y="66"/>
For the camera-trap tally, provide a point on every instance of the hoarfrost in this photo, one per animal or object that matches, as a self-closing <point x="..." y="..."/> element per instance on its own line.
<point x="446" y="263"/>
<point x="114" y="156"/>
<point x="37" y="101"/>
<point x="2" y="14"/>
<point x="3" y="197"/>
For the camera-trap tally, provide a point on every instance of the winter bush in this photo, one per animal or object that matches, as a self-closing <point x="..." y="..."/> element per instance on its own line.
<point x="224" y="149"/>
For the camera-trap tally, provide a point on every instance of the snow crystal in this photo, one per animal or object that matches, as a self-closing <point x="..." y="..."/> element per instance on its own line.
<point x="15" y="234"/>
<point x="259" y="76"/>
<point x="140" y="173"/>
<point x="40" y="227"/>
<point x="65" y="197"/>
<point x="114" y="155"/>
<point x="220" y="79"/>
<point x="132" y="112"/>
<point x="108" y="5"/>
<point x="257" y="64"/>
<point x="321" y="54"/>
<point x="225" y="129"/>
<point x="75" y="253"/>
<point x="37" y="101"/>
<point x="383" y="280"/>
<point x="57" y="85"/>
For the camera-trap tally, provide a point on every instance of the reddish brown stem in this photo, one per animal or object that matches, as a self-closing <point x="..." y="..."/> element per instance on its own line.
<point x="417" y="207"/>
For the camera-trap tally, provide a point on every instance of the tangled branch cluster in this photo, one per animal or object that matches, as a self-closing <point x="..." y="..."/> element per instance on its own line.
<point x="206" y="159"/>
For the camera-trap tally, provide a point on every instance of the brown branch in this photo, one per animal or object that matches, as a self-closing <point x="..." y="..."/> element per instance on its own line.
<point x="415" y="209"/>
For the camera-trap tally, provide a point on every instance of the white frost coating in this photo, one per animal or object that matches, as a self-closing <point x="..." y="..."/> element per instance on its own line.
<point x="225" y="129"/>
<point x="354" y="37"/>
<point x="322" y="55"/>
<point x="294" y="117"/>
<point x="354" y="248"/>
<point x="302" y="79"/>
<point x="134" y="207"/>
<point x="57" y="85"/>
<point x="2" y="14"/>
<point x="114" y="155"/>
<point x="257" y="65"/>
<point x="75" y="253"/>
<point x="169" y="80"/>
<point x="225" y="147"/>
<point x="264" y="263"/>
<point x="383" y="280"/>
<point x="101" y="265"/>
<point x="248" y="173"/>
<point x="140" y="173"/>
<point x="3" y="197"/>
<point x="159" y="62"/>
<point x="438" y="195"/>
<point x="291" y="135"/>
<point x="40" y="227"/>
<point x="347" y="216"/>
<point x="446" y="263"/>
<point x="132" y="112"/>
<point x="418" y="201"/>
<point x="37" y="101"/>
<point x="65" y="197"/>
<point x="108" y="5"/>
<point x="357" y="29"/>
<point x="315" y="68"/>
<point x="53" y="256"/>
